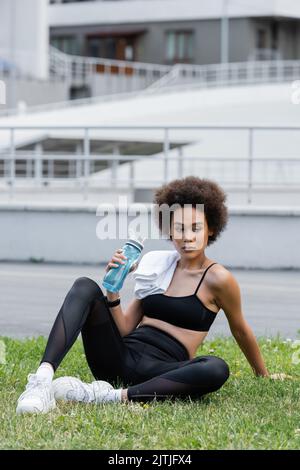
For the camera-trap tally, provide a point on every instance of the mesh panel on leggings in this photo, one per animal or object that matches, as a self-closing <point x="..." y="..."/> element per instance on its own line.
<point x="70" y="319"/>
<point x="161" y="389"/>
<point x="201" y="375"/>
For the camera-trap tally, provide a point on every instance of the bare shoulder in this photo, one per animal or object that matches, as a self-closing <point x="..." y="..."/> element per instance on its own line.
<point x="220" y="278"/>
<point x="225" y="289"/>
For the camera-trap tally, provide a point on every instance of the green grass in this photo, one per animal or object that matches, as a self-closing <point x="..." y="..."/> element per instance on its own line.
<point x="246" y="413"/>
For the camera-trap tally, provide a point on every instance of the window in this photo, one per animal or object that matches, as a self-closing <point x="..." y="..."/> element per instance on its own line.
<point x="179" y="46"/>
<point x="114" y="47"/>
<point x="261" y="39"/>
<point x="274" y="35"/>
<point x="67" y="44"/>
<point x="102" y="47"/>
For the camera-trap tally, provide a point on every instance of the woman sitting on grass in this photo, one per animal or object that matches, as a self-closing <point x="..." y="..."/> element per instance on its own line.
<point x="150" y="348"/>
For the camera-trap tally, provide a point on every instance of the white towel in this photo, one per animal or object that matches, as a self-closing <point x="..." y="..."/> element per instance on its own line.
<point x="154" y="272"/>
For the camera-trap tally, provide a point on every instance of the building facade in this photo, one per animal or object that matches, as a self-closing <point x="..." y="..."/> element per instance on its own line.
<point x="176" y="31"/>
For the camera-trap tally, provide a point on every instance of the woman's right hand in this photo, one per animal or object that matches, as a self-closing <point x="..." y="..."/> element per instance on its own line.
<point x="116" y="259"/>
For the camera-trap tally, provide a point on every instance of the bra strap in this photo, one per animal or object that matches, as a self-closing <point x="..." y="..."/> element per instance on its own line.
<point x="203" y="276"/>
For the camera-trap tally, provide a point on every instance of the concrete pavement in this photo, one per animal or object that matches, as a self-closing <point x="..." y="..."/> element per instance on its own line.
<point x="32" y="294"/>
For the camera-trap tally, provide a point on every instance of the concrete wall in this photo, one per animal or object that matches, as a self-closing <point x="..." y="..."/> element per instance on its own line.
<point x="207" y="40"/>
<point x="254" y="238"/>
<point x="106" y="84"/>
<point x="35" y="92"/>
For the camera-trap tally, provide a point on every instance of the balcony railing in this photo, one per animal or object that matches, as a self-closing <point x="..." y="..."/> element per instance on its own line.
<point x="87" y="170"/>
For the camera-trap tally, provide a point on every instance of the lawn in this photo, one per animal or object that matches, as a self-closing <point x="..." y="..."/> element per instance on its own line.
<point x="246" y="413"/>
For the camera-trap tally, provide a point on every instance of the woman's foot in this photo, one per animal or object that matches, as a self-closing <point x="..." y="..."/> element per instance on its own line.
<point x="38" y="396"/>
<point x="73" y="389"/>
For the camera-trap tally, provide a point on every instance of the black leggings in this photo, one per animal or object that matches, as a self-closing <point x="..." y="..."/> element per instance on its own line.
<point x="148" y="361"/>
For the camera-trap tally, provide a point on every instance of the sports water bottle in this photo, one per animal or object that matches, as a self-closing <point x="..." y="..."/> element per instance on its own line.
<point x="115" y="277"/>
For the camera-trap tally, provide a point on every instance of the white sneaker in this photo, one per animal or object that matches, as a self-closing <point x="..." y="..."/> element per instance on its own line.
<point x="38" y="396"/>
<point x="73" y="389"/>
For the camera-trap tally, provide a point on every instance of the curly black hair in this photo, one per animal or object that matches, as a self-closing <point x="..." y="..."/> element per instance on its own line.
<point x="193" y="190"/>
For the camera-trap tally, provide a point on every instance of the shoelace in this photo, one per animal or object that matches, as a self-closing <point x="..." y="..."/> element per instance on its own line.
<point x="33" y="382"/>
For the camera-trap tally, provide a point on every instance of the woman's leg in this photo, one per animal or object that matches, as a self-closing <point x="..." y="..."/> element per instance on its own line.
<point x="84" y="310"/>
<point x="194" y="378"/>
<point x="162" y="379"/>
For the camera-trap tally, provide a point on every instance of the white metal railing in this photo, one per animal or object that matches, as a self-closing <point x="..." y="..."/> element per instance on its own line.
<point x="78" y="69"/>
<point x="264" y="54"/>
<point x="216" y="75"/>
<point x="81" y="70"/>
<point x="106" y="79"/>
<point x="122" y="79"/>
<point x="248" y="174"/>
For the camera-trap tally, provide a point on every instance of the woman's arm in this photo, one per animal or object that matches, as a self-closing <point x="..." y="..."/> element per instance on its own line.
<point x="126" y="320"/>
<point x="117" y="312"/>
<point x="228" y="298"/>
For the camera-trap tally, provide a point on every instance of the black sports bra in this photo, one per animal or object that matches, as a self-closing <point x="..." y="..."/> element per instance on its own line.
<point x="186" y="312"/>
